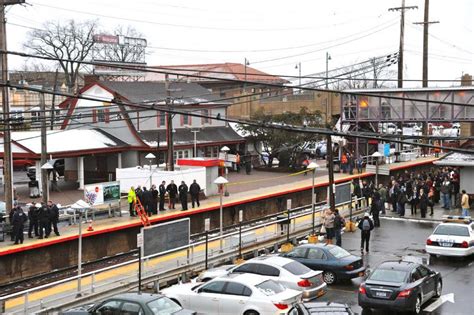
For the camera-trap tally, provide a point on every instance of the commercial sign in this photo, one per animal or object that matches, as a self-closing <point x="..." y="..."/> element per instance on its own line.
<point x="102" y="193"/>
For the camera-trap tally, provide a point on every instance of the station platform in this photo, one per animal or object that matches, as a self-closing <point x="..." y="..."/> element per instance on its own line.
<point x="243" y="189"/>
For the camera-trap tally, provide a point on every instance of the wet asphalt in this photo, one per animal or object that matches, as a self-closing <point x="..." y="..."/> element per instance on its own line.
<point x="396" y="240"/>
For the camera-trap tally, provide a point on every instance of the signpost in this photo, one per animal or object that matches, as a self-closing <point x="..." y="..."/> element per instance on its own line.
<point x="140" y="249"/>
<point x="207" y="227"/>
<point x="102" y="193"/>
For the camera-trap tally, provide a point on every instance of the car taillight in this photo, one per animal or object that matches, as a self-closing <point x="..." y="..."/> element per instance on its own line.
<point x="464" y="244"/>
<point x="429" y="242"/>
<point x="281" y="306"/>
<point x="349" y="267"/>
<point x="304" y="283"/>
<point x="404" y="294"/>
<point x="362" y="289"/>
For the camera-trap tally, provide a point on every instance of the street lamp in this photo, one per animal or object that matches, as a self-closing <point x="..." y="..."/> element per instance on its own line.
<point x="195" y="131"/>
<point x="298" y="66"/>
<point x="79" y="206"/>
<point x="377" y="155"/>
<point x="246" y="63"/>
<point x="313" y="166"/>
<point x="220" y="182"/>
<point x="47" y="167"/>
<point x="328" y="57"/>
<point x="225" y="150"/>
<point x="150" y="157"/>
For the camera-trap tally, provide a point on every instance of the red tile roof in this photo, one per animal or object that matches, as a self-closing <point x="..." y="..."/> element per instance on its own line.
<point x="234" y="71"/>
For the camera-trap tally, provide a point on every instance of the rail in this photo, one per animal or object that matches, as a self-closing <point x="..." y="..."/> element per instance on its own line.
<point x="188" y="258"/>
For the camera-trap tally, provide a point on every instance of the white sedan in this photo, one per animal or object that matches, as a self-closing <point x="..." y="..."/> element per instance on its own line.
<point x="455" y="237"/>
<point x="235" y="294"/>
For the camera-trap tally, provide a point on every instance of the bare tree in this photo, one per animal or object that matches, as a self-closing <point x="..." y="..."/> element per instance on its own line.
<point x="130" y="49"/>
<point x="70" y="42"/>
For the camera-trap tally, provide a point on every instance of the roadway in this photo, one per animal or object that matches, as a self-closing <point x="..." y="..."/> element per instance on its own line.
<point x="397" y="239"/>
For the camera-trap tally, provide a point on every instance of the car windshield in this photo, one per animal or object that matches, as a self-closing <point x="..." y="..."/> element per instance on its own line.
<point x="454" y="230"/>
<point x="339" y="252"/>
<point x="163" y="306"/>
<point x="296" y="268"/>
<point x="388" y="275"/>
<point x="270" y="287"/>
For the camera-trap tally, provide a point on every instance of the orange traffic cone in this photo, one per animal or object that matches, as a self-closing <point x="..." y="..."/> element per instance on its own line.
<point x="90" y="228"/>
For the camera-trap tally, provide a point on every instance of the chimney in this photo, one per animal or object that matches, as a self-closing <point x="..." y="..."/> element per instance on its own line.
<point x="90" y="78"/>
<point x="466" y="80"/>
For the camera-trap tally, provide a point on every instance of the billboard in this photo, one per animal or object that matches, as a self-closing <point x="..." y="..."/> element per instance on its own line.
<point x="102" y="193"/>
<point x="165" y="236"/>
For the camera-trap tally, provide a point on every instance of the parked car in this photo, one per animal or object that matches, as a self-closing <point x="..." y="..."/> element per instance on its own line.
<point x="400" y="286"/>
<point x="133" y="303"/>
<point x="321" y="308"/>
<point x="335" y="262"/>
<point x="58" y="165"/>
<point x="235" y="294"/>
<point x="454" y="237"/>
<point x="22" y="164"/>
<point x="31" y="173"/>
<point x="288" y="272"/>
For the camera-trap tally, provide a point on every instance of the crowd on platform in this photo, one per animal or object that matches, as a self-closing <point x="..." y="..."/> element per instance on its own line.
<point x="42" y="219"/>
<point x="153" y="199"/>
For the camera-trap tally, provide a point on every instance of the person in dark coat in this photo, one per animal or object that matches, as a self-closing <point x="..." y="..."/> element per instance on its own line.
<point x="139" y="193"/>
<point x="365" y="226"/>
<point x="54" y="216"/>
<point x="154" y="196"/>
<point x="18" y="222"/>
<point x="194" y="190"/>
<point x="147" y="200"/>
<point x="10" y="218"/>
<point x="183" y="195"/>
<point x="162" y="191"/>
<point x="44" y="221"/>
<point x="339" y="224"/>
<point x="423" y="202"/>
<point x="357" y="192"/>
<point x="33" y="221"/>
<point x="366" y="192"/>
<point x="402" y="200"/>
<point x="172" y="190"/>
<point x="376" y="208"/>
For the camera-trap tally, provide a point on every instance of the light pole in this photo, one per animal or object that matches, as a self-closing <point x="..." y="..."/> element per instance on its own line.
<point x="313" y="166"/>
<point x="195" y="131"/>
<point x="47" y="166"/>
<point x="225" y="150"/>
<point x="220" y="182"/>
<point x="246" y="63"/>
<point x="79" y="206"/>
<point x="298" y="66"/>
<point x="150" y="157"/>
<point x="328" y="57"/>
<point x="377" y="155"/>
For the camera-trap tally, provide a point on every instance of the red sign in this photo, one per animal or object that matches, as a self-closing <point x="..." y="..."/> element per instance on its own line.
<point x="106" y="39"/>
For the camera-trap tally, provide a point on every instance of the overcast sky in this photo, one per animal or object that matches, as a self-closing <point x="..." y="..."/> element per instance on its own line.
<point x="273" y="35"/>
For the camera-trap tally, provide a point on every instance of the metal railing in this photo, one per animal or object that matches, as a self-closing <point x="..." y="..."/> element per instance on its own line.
<point x="189" y="258"/>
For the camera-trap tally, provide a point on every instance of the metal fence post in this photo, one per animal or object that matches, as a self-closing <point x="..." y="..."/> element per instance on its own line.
<point x="26" y="306"/>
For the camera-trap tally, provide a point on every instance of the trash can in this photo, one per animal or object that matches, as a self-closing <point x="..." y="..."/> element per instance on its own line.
<point x="34" y="188"/>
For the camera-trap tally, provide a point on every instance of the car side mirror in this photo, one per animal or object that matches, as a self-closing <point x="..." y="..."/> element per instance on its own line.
<point x="199" y="290"/>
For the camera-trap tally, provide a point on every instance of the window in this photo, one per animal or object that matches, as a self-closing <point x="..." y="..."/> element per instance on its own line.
<point x="296" y="268"/>
<point x="388" y="275"/>
<point x="163" y="305"/>
<point x="338" y="252"/>
<point x="299" y="252"/>
<point x="185" y="120"/>
<point x="266" y="270"/>
<point x="213" y="287"/>
<point x="270" y="287"/>
<point x="161" y="119"/>
<point x="246" y="268"/>
<point x="35" y="116"/>
<point x="205" y="120"/>
<point x="415" y="275"/>
<point x="453" y="230"/>
<point x="423" y="271"/>
<point x="237" y="289"/>
<point x="101" y="115"/>
<point x="79" y="116"/>
<point x="108" y="308"/>
<point x="130" y="308"/>
<point x="315" y="253"/>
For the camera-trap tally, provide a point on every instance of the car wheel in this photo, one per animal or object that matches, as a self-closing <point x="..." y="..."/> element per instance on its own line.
<point x="366" y="311"/>
<point x="417" y="309"/>
<point x="433" y="256"/>
<point x="251" y="312"/>
<point x="439" y="288"/>
<point x="329" y="277"/>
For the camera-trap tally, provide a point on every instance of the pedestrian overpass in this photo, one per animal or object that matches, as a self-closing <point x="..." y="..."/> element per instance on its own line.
<point x="408" y="105"/>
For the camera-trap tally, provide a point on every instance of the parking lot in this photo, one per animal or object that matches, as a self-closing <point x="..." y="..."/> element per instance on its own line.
<point x="397" y="239"/>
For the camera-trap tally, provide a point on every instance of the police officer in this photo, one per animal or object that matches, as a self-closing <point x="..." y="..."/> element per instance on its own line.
<point x="172" y="190"/>
<point x="33" y="220"/>
<point x="54" y="216"/>
<point x="43" y="220"/>
<point x="18" y="222"/>
<point x="162" y="191"/>
<point x="183" y="195"/>
<point x="194" y="190"/>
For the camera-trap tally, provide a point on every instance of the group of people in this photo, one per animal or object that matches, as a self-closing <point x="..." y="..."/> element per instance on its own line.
<point x="417" y="190"/>
<point x="153" y="199"/>
<point x="42" y="219"/>
<point x="349" y="162"/>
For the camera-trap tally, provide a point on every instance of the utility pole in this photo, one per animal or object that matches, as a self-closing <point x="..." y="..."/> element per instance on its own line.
<point x="426" y="22"/>
<point x="332" y="198"/>
<point x="169" y="126"/>
<point x="44" y="153"/>
<point x="328" y="57"/>
<point x="7" y="149"/>
<point x="402" y="35"/>
<point x="54" y="99"/>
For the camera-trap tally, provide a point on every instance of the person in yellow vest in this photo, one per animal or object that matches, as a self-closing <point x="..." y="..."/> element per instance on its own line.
<point x="132" y="197"/>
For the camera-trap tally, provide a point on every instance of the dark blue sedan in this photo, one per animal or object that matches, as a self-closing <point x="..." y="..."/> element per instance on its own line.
<point x="336" y="263"/>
